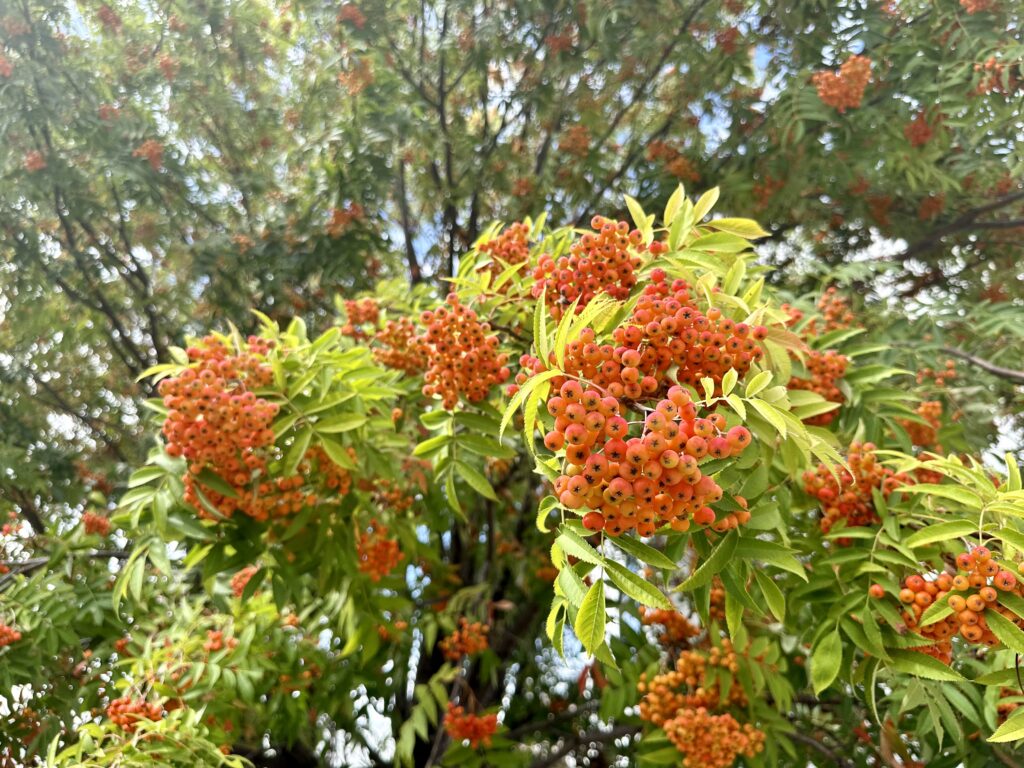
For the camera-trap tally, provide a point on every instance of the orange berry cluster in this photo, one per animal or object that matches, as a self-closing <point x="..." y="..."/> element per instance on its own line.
<point x="925" y="435"/>
<point x="126" y="712"/>
<point x="468" y="640"/>
<point x="34" y="161"/>
<point x="931" y="206"/>
<point x="674" y="162"/>
<point x="835" y="313"/>
<point x="684" y="686"/>
<point x="6" y="68"/>
<point x="8" y="635"/>
<point x="343" y="218"/>
<point x="349" y="12"/>
<point x="676" y="629"/>
<point x="217" y="423"/>
<point x="599" y="262"/>
<point x="575" y="141"/>
<point x="844" y="90"/>
<point x="464" y="356"/>
<point x="849" y="499"/>
<point x="644" y="481"/>
<point x="360" y="312"/>
<point x="399" y="346"/>
<point x="511" y="246"/>
<point x="992" y="77"/>
<point x="377" y="554"/>
<point x="940" y="377"/>
<point x="665" y="330"/>
<point x="712" y="741"/>
<point x="95" y="523"/>
<point x="826" y="368"/>
<point x="153" y="151"/>
<point x="977" y="6"/>
<point x="215" y="641"/>
<point x="476" y="729"/>
<point x="241" y="579"/>
<point x="918" y="131"/>
<point x="765" y="189"/>
<point x="972" y="592"/>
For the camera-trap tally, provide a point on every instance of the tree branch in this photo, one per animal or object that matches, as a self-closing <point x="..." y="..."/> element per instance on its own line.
<point x="1017" y="377"/>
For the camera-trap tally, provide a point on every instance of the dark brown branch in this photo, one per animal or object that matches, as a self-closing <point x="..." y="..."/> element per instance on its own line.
<point x="1017" y="377"/>
<point x="415" y="275"/>
<point x="966" y="221"/>
<point x="816" y="745"/>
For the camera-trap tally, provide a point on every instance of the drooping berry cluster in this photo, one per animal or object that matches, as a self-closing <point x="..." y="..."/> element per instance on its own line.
<point x="377" y="554"/>
<point x="464" y="356"/>
<point x="977" y="6"/>
<point x="575" y="141"/>
<point x="643" y="481"/>
<point x="925" y="435"/>
<point x="825" y="369"/>
<point x="468" y="640"/>
<point x="217" y="424"/>
<point x="712" y="741"/>
<point x="931" y="206"/>
<point x="360" y="312"/>
<point x="972" y="594"/>
<point x="993" y="72"/>
<point x="681" y="701"/>
<point x="399" y="346"/>
<point x="664" y="331"/>
<point x="126" y="712"/>
<point x="511" y="246"/>
<point x="463" y="726"/>
<point x="676" y="630"/>
<point x="602" y="261"/>
<point x="342" y="219"/>
<point x="153" y="151"/>
<point x="215" y="641"/>
<point x="940" y="377"/>
<point x="95" y="523"/>
<point x="919" y="131"/>
<point x="241" y="579"/>
<point x="33" y="161"/>
<point x="835" y="311"/>
<point x="849" y="498"/>
<point x="8" y="635"/>
<point x="844" y="90"/>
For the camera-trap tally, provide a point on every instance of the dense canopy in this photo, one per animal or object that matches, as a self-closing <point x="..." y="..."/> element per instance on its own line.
<point x="511" y="383"/>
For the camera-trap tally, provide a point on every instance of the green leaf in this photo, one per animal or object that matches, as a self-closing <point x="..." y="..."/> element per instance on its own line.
<point x="431" y="444"/>
<point x="476" y="480"/>
<point x="643" y="552"/>
<point x="772" y="595"/>
<point x="713" y="563"/>
<point x="956" y="493"/>
<point x="772" y="415"/>
<point x="935" y="612"/>
<point x="941" y="532"/>
<point x="336" y="452"/>
<point x="341" y="423"/>
<point x="770" y="552"/>
<point x="639" y="589"/>
<point x="746" y="228"/>
<point x="1013" y="481"/>
<point x="1008" y="632"/>
<point x="1011" y="730"/>
<point x="211" y="479"/>
<point x="524" y="392"/>
<point x="826" y="659"/>
<point x="758" y="383"/>
<point x="543" y="510"/>
<point x="573" y="544"/>
<point x="922" y="665"/>
<point x="870" y="679"/>
<point x="591" y="618"/>
<point x="729" y="381"/>
<point x="704" y="204"/>
<point x="297" y="451"/>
